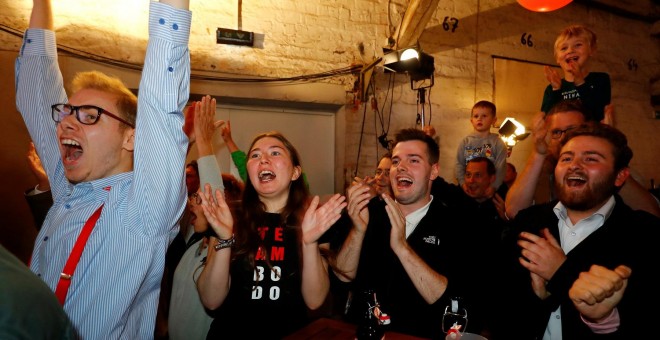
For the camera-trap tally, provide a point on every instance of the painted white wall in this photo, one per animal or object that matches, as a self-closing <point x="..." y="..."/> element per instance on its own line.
<point x="312" y="133"/>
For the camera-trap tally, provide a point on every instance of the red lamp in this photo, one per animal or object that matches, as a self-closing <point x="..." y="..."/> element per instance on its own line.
<point x="543" y="5"/>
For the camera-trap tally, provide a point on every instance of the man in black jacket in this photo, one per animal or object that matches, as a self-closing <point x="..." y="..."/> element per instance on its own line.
<point x="589" y="225"/>
<point x="410" y="252"/>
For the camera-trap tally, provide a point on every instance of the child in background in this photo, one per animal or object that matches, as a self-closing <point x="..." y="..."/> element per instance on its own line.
<point x="573" y="49"/>
<point x="482" y="143"/>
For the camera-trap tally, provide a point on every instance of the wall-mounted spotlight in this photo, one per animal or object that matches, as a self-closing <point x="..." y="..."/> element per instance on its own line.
<point x="512" y="132"/>
<point x="412" y="60"/>
<point x="418" y="65"/>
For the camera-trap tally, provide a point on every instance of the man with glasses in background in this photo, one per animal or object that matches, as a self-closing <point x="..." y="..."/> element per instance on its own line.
<point x="114" y="164"/>
<point x="535" y="184"/>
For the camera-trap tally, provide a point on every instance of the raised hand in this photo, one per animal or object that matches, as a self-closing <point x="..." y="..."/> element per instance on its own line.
<point x="553" y="77"/>
<point x="225" y="131"/>
<point x="204" y="125"/>
<point x="609" y="115"/>
<point x="189" y="123"/>
<point x="541" y="254"/>
<point x="539" y="133"/>
<point x="217" y="212"/>
<point x="577" y="72"/>
<point x="398" y="222"/>
<point x="500" y="206"/>
<point x="318" y="220"/>
<point x="37" y="169"/>
<point x="358" y="195"/>
<point x="226" y="136"/>
<point x="371" y="182"/>
<point x="597" y="292"/>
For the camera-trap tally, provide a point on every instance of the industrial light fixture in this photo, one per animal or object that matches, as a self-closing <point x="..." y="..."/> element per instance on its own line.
<point x="411" y="60"/>
<point x="512" y="132"/>
<point x="418" y="65"/>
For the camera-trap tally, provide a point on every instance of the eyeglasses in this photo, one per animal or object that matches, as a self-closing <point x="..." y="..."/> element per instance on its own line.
<point x="86" y="114"/>
<point x="382" y="172"/>
<point x="556" y="134"/>
<point x="195" y="197"/>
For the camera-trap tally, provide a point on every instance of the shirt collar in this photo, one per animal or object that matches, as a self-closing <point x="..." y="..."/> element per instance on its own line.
<point x="412" y="219"/>
<point x="605" y="211"/>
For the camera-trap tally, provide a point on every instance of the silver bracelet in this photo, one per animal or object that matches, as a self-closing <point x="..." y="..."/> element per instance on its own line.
<point x="222" y="244"/>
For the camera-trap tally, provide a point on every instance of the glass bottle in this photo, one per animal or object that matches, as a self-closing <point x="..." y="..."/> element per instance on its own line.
<point x="370" y="326"/>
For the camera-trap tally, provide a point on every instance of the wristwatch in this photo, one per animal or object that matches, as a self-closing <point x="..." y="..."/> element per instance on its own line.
<point x="222" y="244"/>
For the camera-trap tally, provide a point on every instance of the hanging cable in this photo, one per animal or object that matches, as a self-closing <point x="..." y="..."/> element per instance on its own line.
<point x="382" y="136"/>
<point x="357" y="162"/>
<point x="430" y="106"/>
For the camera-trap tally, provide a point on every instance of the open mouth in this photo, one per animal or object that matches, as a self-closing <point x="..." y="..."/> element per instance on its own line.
<point x="72" y="150"/>
<point x="404" y="182"/>
<point x="266" y="176"/>
<point x="575" y="181"/>
<point x="572" y="59"/>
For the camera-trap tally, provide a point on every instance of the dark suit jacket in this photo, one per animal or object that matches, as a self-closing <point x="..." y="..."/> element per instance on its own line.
<point x="627" y="237"/>
<point x="444" y="240"/>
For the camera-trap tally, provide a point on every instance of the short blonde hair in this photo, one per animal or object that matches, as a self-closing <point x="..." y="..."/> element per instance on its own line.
<point x="95" y="80"/>
<point x="576" y="31"/>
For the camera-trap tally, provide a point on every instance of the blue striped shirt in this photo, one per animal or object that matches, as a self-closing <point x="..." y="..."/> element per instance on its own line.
<point x="114" y="291"/>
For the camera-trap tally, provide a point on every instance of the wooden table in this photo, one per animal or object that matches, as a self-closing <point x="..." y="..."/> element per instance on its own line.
<point x="331" y="329"/>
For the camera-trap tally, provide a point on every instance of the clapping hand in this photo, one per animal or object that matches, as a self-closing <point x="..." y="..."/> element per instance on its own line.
<point x="370" y="181"/>
<point x="318" y="220"/>
<point x="217" y="212"/>
<point x="358" y="195"/>
<point x="500" y="206"/>
<point x="398" y="222"/>
<point x="541" y="255"/>
<point x="578" y="72"/>
<point x="597" y="292"/>
<point x="553" y="77"/>
<point x="539" y="133"/>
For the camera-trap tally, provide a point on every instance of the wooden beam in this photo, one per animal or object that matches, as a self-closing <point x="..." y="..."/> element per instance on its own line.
<point x="414" y="22"/>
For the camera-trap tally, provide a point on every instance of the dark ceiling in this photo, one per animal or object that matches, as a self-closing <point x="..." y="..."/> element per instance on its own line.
<point x="643" y="10"/>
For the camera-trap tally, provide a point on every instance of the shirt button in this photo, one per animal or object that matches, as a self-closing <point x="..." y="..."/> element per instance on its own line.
<point x="572" y="233"/>
<point x="175" y="27"/>
<point x="558" y="317"/>
<point x="170" y="68"/>
<point x="68" y="206"/>
<point x="39" y="274"/>
<point x="29" y="41"/>
<point x="45" y="238"/>
<point x="161" y="21"/>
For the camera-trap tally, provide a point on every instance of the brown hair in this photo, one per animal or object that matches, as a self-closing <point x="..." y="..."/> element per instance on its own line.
<point x="253" y="210"/>
<point x="432" y="148"/>
<point x="622" y="152"/>
<point x="485" y="105"/>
